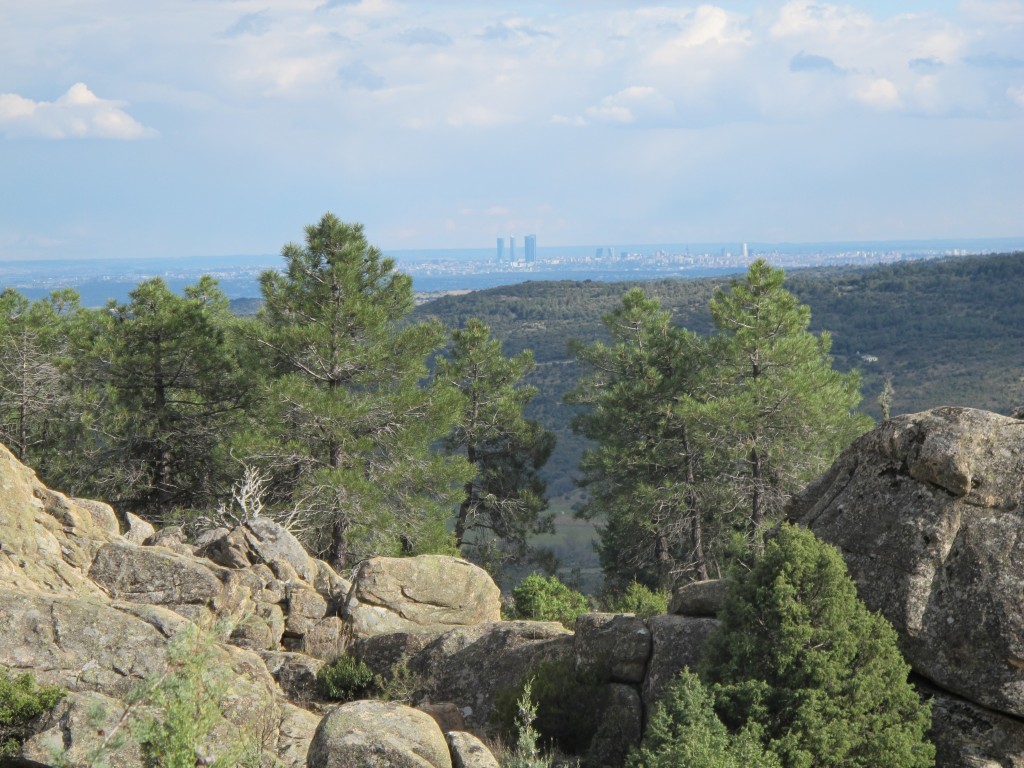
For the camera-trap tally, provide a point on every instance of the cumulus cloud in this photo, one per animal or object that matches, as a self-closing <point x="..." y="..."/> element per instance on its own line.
<point x="995" y="61"/>
<point x="78" y="114"/>
<point x="1016" y="95"/>
<point x="359" y="74"/>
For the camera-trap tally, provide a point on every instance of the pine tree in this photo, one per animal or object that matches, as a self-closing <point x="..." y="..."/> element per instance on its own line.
<point x="349" y="423"/>
<point x="783" y="411"/>
<point x="503" y="503"/>
<point x="648" y="474"/>
<point x="33" y="392"/>
<point x="162" y="394"/>
<point x="801" y="657"/>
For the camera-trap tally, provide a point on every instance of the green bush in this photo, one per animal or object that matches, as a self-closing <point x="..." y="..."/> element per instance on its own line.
<point x="801" y="657"/>
<point x="640" y="600"/>
<point x="177" y="712"/>
<point x="346" y="679"/>
<point x="545" y="598"/>
<point x="685" y="732"/>
<point x="569" y="705"/>
<point x="21" y="701"/>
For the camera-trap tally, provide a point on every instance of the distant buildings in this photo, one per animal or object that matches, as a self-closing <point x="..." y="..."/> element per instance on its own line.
<point x="531" y="250"/>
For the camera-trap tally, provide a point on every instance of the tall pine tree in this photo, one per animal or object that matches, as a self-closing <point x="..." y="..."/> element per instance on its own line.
<point x="783" y="412"/>
<point x="349" y="420"/>
<point x="504" y="502"/>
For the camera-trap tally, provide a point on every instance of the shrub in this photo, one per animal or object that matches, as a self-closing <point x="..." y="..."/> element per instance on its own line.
<point x="176" y="712"/>
<point x="640" y="600"/>
<point x="545" y="598"/>
<point x="799" y="655"/>
<point x="346" y="679"/>
<point x="684" y="731"/>
<point x="526" y="754"/>
<point x="21" y="701"/>
<point x="569" y="704"/>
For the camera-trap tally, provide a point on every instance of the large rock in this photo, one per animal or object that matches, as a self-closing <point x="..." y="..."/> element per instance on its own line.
<point x="470" y="666"/>
<point x="47" y="539"/>
<point x="969" y="736"/>
<point x="269" y="541"/>
<point x="378" y="734"/>
<point x="419" y="593"/>
<point x="469" y="752"/>
<point x="699" y="598"/>
<point x="79" y="727"/>
<point x="677" y="643"/>
<point x="617" y="644"/>
<point x="153" y="575"/>
<point x="927" y="511"/>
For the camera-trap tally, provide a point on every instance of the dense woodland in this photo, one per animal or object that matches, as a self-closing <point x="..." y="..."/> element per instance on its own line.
<point x="370" y="426"/>
<point x="947" y="331"/>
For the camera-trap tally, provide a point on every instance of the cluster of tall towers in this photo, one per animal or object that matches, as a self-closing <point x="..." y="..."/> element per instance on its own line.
<point x="510" y="256"/>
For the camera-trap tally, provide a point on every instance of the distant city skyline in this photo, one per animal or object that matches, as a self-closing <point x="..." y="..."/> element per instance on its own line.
<point x="133" y="130"/>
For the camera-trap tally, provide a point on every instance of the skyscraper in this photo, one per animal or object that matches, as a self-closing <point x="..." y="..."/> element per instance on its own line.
<point x="501" y="249"/>
<point x="531" y="248"/>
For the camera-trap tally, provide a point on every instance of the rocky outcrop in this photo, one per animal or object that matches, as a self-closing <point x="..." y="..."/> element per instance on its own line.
<point x="928" y="511"/>
<point x="699" y="598"/>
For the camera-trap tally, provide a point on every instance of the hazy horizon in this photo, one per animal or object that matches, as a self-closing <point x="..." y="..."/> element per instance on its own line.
<point x="134" y="130"/>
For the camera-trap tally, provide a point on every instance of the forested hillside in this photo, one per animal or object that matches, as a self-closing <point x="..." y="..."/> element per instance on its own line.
<point x="949" y="331"/>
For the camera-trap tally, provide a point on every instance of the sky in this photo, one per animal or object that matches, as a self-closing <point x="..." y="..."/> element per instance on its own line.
<point x="172" y="128"/>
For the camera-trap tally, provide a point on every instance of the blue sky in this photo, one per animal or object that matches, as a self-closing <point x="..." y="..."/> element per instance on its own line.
<point x="206" y="127"/>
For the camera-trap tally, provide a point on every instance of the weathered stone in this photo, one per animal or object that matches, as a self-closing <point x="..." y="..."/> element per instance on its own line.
<point x="447" y="716"/>
<point x="137" y="531"/>
<point x="75" y="729"/>
<point x="699" y="598"/>
<point x="469" y="752"/>
<point x="332" y="586"/>
<point x="269" y="541"/>
<point x="378" y="734"/>
<point x="677" y="642"/>
<point x="927" y="511"/>
<point x="305" y="608"/>
<point x="173" y="538"/>
<point x="295" y="673"/>
<point x="384" y="653"/>
<point x="966" y="734"/>
<point x="404" y="594"/>
<point x="621" y="726"/>
<point x="295" y="732"/>
<point x="224" y="547"/>
<point x="469" y="666"/>
<point x="77" y="643"/>
<point x="47" y="539"/>
<point x="325" y="640"/>
<point x="255" y="633"/>
<point x="274" y="616"/>
<point x="616" y="643"/>
<point x="149" y="575"/>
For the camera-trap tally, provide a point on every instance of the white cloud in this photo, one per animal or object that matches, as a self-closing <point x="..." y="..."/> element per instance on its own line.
<point x="879" y="93"/>
<point x="78" y="114"/>
<point x="1016" y="95"/>
<point x="630" y="105"/>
